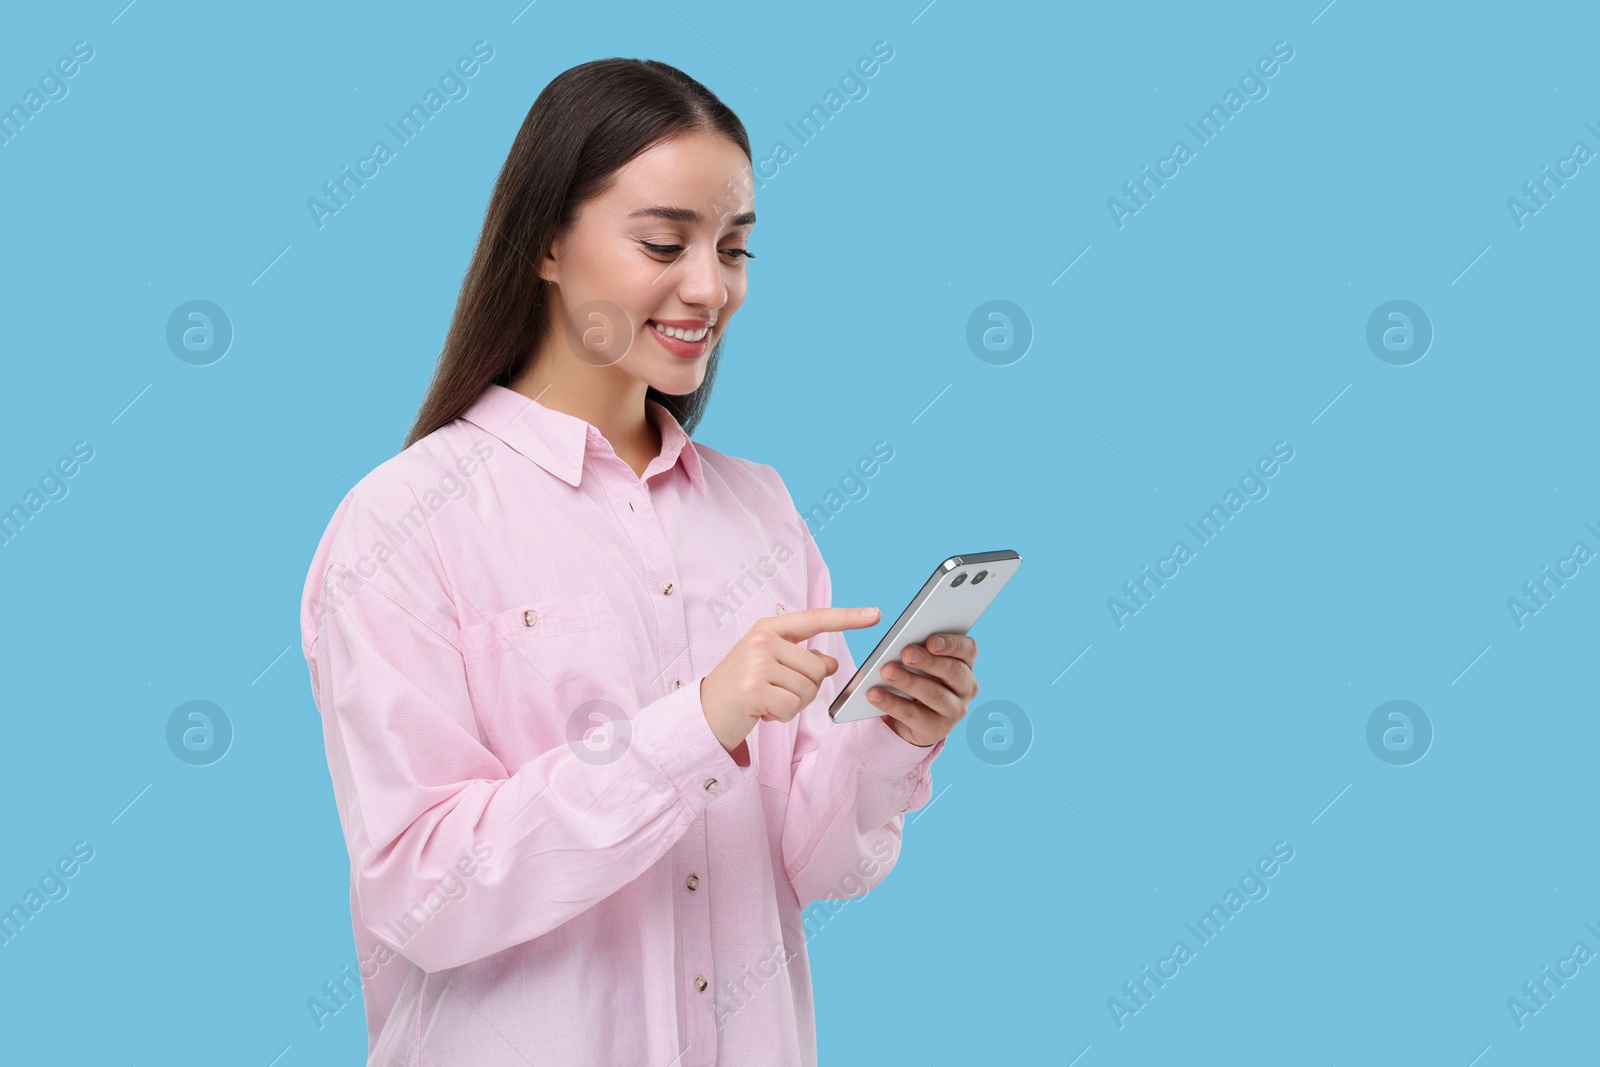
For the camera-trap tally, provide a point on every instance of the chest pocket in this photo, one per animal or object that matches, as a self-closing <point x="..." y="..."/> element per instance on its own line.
<point x="537" y="667"/>
<point x="533" y="621"/>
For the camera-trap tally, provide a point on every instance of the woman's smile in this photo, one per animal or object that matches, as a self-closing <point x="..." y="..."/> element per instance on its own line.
<point x="687" y="338"/>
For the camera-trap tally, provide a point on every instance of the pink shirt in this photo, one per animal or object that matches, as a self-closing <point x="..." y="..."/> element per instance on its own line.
<point x="553" y="859"/>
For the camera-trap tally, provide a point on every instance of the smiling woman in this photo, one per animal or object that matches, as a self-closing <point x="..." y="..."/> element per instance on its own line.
<point x="543" y="676"/>
<point x="642" y="282"/>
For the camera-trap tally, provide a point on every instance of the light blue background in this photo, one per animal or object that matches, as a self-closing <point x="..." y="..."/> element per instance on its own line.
<point x="1227" y="315"/>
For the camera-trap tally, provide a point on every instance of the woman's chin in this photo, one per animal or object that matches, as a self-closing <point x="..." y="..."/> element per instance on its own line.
<point x="680" y="378"/>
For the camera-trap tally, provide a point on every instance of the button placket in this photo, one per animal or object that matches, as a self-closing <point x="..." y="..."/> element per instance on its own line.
<point x="691" y="856"/>
<point x="672" y="623"/>
<point x="674" y="665"/>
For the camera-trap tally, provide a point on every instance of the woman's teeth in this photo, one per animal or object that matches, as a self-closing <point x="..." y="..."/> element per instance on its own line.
<point x="682" y="335"/>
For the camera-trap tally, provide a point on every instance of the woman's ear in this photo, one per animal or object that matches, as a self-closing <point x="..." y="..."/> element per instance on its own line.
<point x="551" y="262"/>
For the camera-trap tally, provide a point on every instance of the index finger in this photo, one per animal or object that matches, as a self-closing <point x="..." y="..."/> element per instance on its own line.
<point x="797" y="626"/>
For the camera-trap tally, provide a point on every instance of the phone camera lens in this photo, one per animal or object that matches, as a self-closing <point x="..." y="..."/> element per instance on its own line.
<point x="976" y="578"/>
<point x="959" y="579"/>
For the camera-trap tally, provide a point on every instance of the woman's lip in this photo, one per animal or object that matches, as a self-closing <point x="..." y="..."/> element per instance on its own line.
<point x="684" y="324"/>
<point x="681" y="349"/>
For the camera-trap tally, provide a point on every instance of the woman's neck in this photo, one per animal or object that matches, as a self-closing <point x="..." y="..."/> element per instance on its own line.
<point x="621" y="415"/>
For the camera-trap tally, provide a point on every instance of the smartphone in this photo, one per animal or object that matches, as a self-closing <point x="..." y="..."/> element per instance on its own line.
<point x="948" y="603"/>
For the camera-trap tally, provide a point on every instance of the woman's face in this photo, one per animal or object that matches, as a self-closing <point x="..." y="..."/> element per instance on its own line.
<point x="662" y="249"/>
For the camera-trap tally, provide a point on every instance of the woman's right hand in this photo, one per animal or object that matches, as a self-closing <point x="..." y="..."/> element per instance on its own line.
<point x="768" y="676"/>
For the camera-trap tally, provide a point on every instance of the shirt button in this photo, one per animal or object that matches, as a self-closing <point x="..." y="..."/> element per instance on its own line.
<point x="677" y="683"/>
<point x="693" y="882"/>
<point x="782" y="609"/>
<point x="700" y="983"/>
<point x="711" y="785"/>
<point x="666" y="588"/>
<point x="529" y="618"/>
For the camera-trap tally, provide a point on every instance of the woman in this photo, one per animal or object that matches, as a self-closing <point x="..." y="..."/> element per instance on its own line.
<point x="573" y="668"/>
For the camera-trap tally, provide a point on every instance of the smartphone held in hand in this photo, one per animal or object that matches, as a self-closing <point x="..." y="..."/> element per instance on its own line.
<point x="949" y="603"/>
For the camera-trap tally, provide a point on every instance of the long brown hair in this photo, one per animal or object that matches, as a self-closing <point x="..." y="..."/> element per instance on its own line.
<point x="586" y="124"/>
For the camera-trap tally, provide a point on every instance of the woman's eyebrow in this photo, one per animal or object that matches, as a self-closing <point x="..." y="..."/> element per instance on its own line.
<point x="687" y="215"/>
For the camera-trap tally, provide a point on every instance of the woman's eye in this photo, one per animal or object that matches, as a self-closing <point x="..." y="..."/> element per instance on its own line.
<point x="733" y="254"/>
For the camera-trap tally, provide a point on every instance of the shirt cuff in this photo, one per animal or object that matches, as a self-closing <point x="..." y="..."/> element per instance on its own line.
<point x="672" y="734"/>
<point x="882" y="749"/>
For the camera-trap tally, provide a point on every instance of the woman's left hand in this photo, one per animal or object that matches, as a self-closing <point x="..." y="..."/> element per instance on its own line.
<point x="941" y="698"/>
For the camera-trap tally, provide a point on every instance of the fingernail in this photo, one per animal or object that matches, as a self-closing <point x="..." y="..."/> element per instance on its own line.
<point x="913" y="656"/>
<point x="936" y="643"/>
<point x="868" y="613"/>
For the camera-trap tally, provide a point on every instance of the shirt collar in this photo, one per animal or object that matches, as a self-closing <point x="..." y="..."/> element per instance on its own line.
<point x="558" y="441"/>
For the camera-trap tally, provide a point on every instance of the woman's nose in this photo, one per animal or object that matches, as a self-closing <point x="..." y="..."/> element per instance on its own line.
<point x="701" y="283"/>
